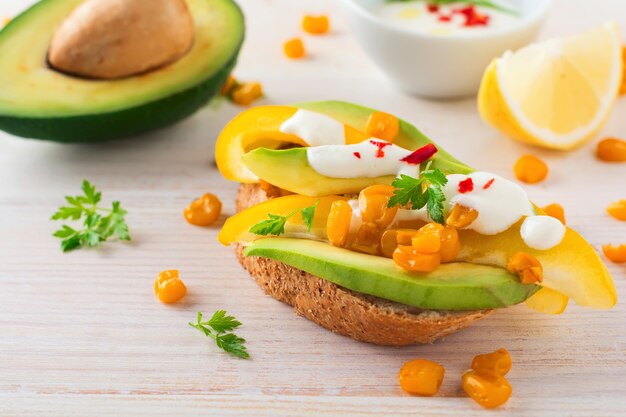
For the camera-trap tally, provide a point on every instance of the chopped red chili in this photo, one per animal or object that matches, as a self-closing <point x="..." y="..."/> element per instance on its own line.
<point x="466" y="186"/>
<point x="357" y="154"/>
<point x="380" y="145"/>
<point x="488" y="184"/>
<point x="420" y="155"/>
<point x="432" y="8"/>
<point x="472" y="17"/>
<point x="445" y="18"/>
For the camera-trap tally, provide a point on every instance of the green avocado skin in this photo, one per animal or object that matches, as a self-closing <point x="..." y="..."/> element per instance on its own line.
<point x="452" y="286"/>
<point x="119" y="124"/>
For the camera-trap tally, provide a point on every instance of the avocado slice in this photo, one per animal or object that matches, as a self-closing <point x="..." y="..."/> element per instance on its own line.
<point x="409" y="137"/>
<point x="289" y="169"/>
<point x="452" y="286"/>
<point x="39" y="102"/>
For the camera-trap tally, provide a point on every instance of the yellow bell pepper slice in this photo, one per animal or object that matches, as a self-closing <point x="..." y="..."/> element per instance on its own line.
<point x="259" y="127"/>
<point x="572" y="268"/>
<point x="236" y="228"/>
<point x="548" y="301"/>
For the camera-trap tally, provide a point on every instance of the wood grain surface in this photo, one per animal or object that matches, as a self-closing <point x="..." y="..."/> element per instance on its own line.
<point x="82" y="334"/>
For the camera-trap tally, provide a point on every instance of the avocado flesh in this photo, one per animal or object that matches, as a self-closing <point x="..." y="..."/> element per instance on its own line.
<point x="38" y="102"/>
<point x="289" y="169"/>
<point x="452" y="286"/>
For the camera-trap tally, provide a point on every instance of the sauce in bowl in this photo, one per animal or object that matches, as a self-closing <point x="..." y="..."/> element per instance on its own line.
<point x="424" y="17"/>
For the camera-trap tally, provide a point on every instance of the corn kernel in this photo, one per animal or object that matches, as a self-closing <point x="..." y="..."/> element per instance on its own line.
<point x="294" y="48"/>
<point x="315" y="25"/>
<point x="530" y="169"/>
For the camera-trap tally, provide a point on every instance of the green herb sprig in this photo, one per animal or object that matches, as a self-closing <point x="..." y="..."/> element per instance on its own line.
<point x="99" y="224"/>
<point x="275" y="224"/>
<point x="427" y="190"/>
<point x="481" y="3"/>
<point x="220" y="328"/>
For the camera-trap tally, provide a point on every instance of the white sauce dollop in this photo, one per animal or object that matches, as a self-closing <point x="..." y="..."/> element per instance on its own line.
<point x="414" y="15"/>
<point x="542" y="232"/>
<point x="363" y="159"/>
<point x="499" y="206"/>
<point x="316" y="129"/>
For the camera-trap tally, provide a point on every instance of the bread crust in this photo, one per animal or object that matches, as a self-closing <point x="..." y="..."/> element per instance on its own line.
<point x="349" y="313"/>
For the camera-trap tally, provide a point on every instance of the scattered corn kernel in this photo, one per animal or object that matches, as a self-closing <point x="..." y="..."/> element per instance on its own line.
<point x="315" y="25"/>
<point x="368" y="239"/>
<point x="461" y="216"/>
<point x="373" y="202"/>
<point x="203" y="211"/>
<point x="530" y="169"/>
<point x="421" y="377"/>
<point x="338" y="223"/>
<point x="244" y="94"/>
<point x="230" y="83"/>
<point x="614" y="253"/>
<point x="498" y="362"/>
<point x="450" y="244"/>
<point x="383" y="126"/>
<point x="428" y="239"/>
<point x="556" y="211"/>
<point x="618" y="210"/>
<point x="611" y="150"/>
<point x="407" y="257"/>
<point x="391" y="238"/>
<point x="486" y="387"/>
<point x="168" y="287"/>
<point x="427" y="242"/>
<point x="294" y="48"/>
<point x="526" y="267"/>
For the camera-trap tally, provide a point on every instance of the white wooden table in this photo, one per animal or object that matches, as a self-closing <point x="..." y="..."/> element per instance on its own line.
<point x="82" y="334"/>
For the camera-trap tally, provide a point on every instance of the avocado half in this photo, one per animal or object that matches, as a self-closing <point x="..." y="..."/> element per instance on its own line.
<point x="39" y="102"/>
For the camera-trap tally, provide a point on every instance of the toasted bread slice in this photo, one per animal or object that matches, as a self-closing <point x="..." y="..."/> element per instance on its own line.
<point x="359" y="316"/>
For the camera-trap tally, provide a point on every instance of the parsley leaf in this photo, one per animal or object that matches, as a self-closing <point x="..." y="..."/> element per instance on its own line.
<point x="99" y="223"/>
<point x="308" y="213"/>
<point x="427" y="190"/>
<point x="275" y="224"/>
<point x="219" y="327"/>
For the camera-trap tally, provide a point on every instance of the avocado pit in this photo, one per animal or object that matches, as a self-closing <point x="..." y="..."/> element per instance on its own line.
<point x="110" y="39"/>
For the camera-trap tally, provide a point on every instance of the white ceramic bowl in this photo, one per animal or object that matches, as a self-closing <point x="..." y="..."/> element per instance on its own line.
<point x="434" y="65"/>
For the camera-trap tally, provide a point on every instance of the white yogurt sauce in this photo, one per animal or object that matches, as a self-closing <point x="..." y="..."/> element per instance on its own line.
<point x="316" y="129"/>
<point x="357" y="219"/>
<point x="363" y="159"/>
<point x="500" y="205"/>
<point x="415" y="16"/>
<point x="542" y="232"/>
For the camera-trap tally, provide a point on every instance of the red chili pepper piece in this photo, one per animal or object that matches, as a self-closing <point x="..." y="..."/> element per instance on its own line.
<point x="488" y="184"/>
<point x="432" y="8"/>
<point x="420" y="155"/>
<point x="472" y="17"/>
<point x="380" y="145"/>
<point x="445" y="18"/>
<point x="357" y="154"/>
<point x="466" y="186"/>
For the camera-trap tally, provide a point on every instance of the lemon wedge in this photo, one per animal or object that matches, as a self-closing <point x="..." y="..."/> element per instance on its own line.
<point x="555" y="94"/>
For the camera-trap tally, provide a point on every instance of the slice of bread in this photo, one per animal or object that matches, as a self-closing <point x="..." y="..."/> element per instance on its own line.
<point x="359" y="316"/>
